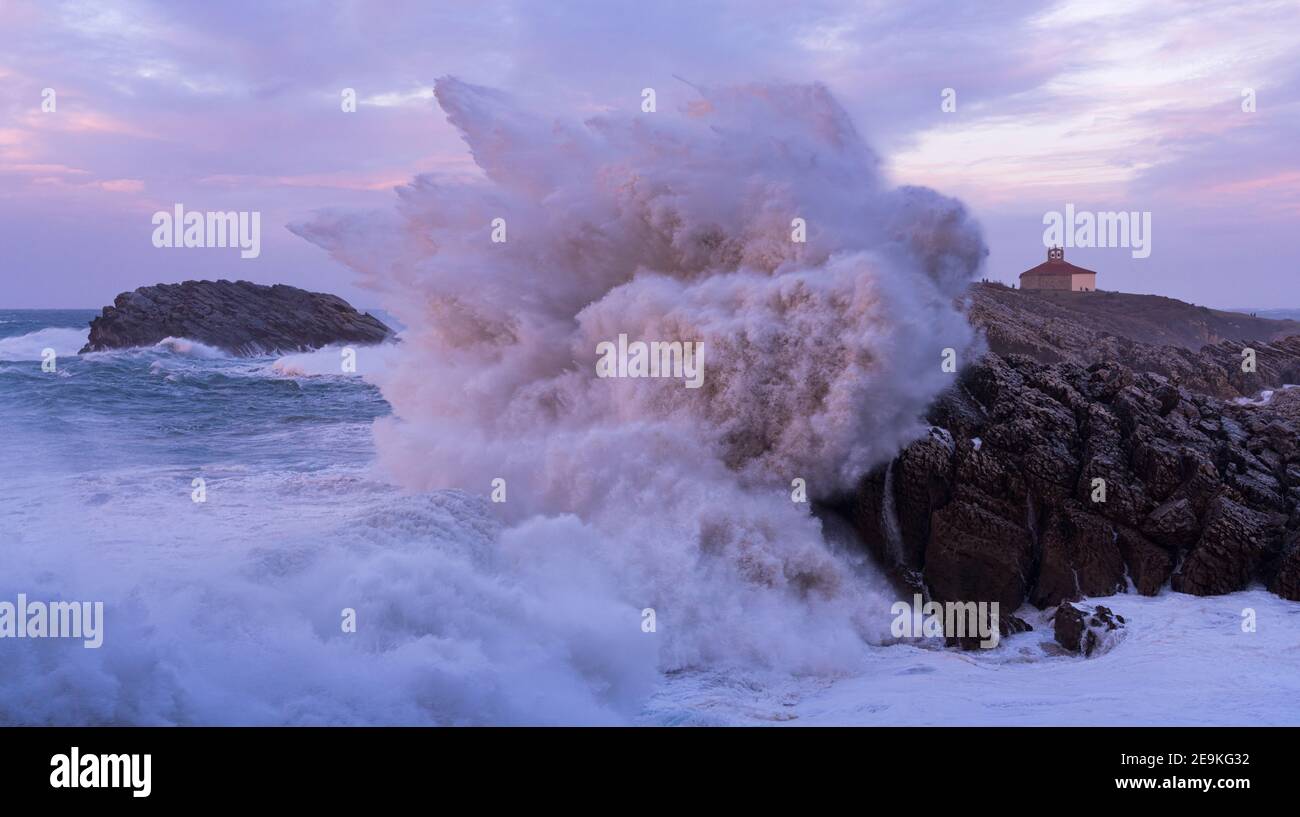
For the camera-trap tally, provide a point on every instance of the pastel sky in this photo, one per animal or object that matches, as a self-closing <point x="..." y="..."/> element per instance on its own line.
<point x="1105" y="104"/>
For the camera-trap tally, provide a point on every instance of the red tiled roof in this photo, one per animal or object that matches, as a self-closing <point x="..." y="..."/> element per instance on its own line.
<point x="1056" y="268"/>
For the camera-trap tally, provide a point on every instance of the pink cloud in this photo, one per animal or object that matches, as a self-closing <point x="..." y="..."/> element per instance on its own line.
<point x="121" y="186"/>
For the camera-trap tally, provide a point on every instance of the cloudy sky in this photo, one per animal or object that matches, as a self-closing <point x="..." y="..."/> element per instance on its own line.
<point x="1108" y="105"/>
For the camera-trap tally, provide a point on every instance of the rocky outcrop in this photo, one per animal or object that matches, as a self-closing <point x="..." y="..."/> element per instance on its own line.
<point x="239" y="317"/>
<point x="1086" y="631"/>
<point x="1188" y="344"/>
<point x="1054" y="326"/>
<point x="1049" y="482"/>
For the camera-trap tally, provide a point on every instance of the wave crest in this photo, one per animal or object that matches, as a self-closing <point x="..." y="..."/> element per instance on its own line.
<point x="31" y="346"/>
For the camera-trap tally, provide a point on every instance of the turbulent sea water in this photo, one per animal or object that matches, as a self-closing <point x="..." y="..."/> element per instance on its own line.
<point x="228" y="611"/>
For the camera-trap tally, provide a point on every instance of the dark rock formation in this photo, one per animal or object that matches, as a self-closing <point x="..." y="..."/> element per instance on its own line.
<point x="239" y="317"/>
<point x="1147" y="333"/>
<point x="1087" y="327"/>
<point x="1286" y="583"/>
<point x="1047" y="481"/>
<point x="1081" y="631"/>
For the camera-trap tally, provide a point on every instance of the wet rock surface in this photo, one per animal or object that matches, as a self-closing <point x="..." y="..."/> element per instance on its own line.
<point x="1052" y="480"/>
<point x="1085" y="631"/>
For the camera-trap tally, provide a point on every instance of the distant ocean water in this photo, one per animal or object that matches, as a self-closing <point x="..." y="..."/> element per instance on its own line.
<point x="228" y="611"/>
<point x="181" y="404"/>
<point x="1276" y="314"/>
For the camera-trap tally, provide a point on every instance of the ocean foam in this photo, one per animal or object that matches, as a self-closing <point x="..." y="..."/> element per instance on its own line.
<point x="821" y="356"/>
<point x="65" y="343"/>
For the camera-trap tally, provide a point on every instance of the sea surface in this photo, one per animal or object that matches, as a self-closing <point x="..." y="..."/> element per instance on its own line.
<point x="229" y="610"/>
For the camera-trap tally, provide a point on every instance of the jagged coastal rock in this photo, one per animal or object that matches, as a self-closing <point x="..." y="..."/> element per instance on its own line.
<point x="239" y="317"/>
<point x="1081" y="631"/>
<point x="1103" y="467"/>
